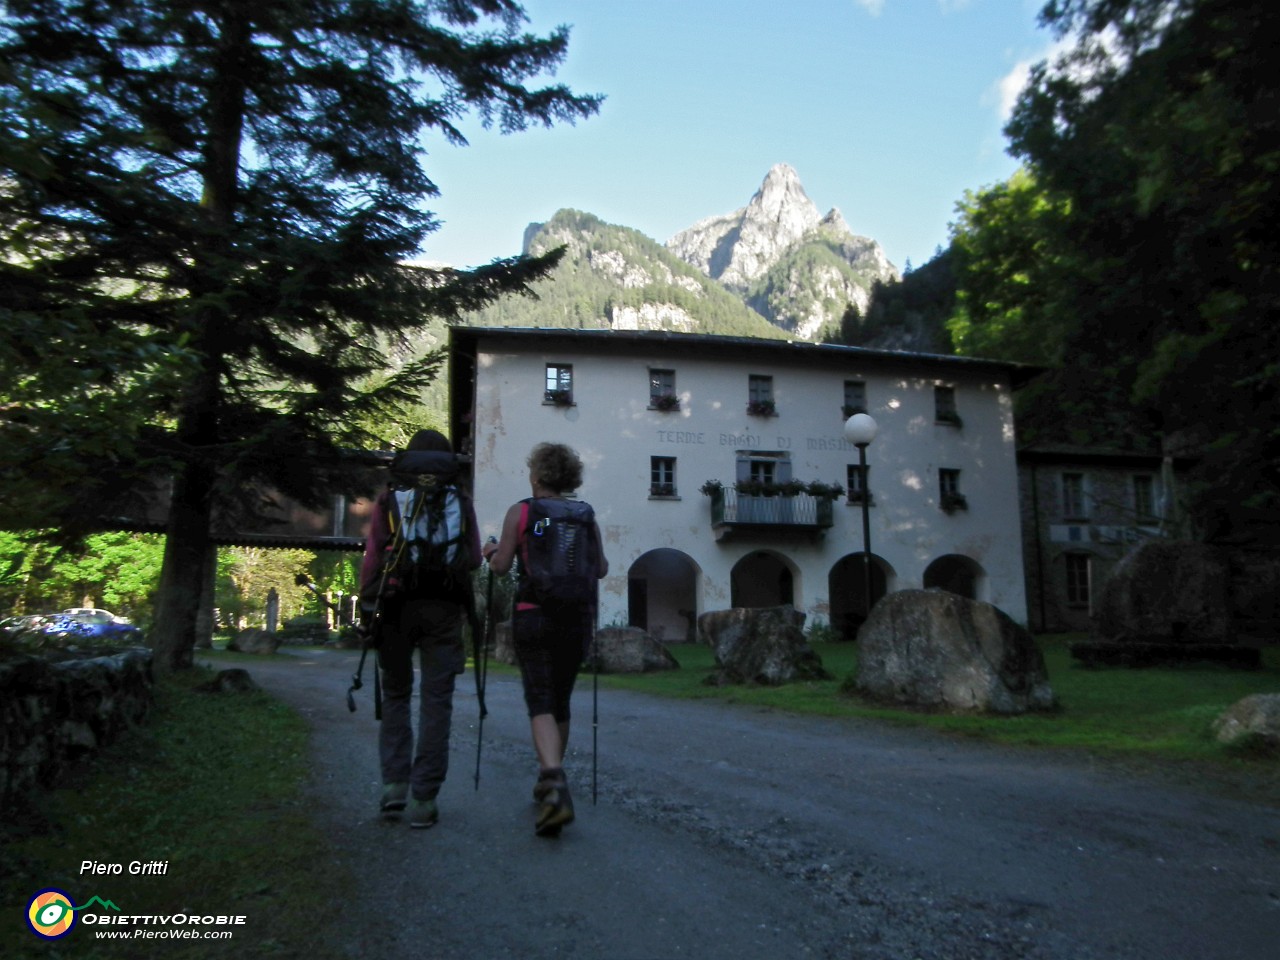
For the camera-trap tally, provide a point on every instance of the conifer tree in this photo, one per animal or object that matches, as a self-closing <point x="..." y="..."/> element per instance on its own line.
<point x="208" y="209"/>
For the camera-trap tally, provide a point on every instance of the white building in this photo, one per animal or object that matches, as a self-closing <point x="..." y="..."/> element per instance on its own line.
<point x="755" y="414"/>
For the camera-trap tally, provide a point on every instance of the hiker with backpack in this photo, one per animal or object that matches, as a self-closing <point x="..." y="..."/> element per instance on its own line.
<point x="416" y="591"/>
<point x="561" y="560"/>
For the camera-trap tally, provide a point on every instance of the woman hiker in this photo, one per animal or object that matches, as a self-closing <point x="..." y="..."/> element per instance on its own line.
<point x="552" y="634"/>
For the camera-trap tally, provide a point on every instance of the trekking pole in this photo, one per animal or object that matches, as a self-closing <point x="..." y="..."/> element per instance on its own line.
<point x="481" y="668"/>
<point x="595" y="701"/>
<point x="357" y="683"/>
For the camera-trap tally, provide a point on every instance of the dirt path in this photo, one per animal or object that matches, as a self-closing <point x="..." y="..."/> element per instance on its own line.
<point x="736" y="833"/>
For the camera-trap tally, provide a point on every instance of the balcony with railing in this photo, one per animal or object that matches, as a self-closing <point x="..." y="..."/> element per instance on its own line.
<point x="788" y="509"/>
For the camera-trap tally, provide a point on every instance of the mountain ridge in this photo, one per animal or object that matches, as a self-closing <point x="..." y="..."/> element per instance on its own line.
<point x="775" y="267"/>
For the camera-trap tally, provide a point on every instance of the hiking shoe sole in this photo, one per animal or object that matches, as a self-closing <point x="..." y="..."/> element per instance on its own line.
<point x="423" y="814"/>
<point x="394" y="798"/>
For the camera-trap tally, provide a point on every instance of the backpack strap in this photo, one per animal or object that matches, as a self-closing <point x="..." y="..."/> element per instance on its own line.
<point x="522" y="547"/>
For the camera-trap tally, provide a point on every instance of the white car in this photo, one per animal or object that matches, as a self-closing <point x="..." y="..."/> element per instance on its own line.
<point x="95" y="615"/>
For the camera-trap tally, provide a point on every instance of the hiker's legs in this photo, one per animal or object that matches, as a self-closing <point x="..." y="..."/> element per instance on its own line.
<point x="548" y="743"/>
<point x="395" y="660"/>
<point x="548" y="648"/>
<point x="442" y="659"/>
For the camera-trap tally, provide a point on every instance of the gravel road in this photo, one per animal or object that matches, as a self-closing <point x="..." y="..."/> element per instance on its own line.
<point x="739" y="833"/>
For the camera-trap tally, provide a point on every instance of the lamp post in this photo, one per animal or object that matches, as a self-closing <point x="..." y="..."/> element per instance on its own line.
<point x="860" y="430"/>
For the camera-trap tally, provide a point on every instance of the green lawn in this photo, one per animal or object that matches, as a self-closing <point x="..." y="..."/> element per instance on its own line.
<point x="1152" y="713"/>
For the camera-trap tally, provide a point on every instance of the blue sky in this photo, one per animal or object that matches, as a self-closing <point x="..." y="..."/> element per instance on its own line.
<point x="888" y="109"/>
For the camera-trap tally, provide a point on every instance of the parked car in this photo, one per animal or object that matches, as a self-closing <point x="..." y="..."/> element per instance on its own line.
<point x="39" y="630"/>
<point x="92" y="622"/>
<point x="28" y="623"/>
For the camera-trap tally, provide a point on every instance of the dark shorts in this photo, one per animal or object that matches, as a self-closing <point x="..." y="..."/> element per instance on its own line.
<point x="550" y="647"/>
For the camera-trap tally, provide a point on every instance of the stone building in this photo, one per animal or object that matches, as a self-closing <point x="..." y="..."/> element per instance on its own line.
<point x="1083" y="509"/>
<point x="709" y="461"/>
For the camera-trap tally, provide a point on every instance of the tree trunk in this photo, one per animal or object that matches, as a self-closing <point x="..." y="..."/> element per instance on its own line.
<point x="204" y="616"/>
<point x="188" y="545"/>
<point x="182" y="577"/>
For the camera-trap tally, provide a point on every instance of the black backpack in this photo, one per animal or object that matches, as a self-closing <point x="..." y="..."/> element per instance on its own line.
<point x="427" y="553"/>
<point x="559" y="553"/>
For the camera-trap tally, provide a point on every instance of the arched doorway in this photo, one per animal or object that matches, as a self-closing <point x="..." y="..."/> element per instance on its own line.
<point x="662" y="595"/>
<point x="846" y="590"/>
<point x="956" y="574"/>
<point x="762" y="579"/>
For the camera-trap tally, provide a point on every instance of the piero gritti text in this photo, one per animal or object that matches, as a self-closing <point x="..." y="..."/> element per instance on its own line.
<point x="137" y="868"/>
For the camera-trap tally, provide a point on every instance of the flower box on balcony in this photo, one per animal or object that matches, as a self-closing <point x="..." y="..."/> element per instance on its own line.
<point x="951" y="502"/>
<point x="666" y="403"/>
<point x="762" y="408"/>
<point x="561" y="398"/>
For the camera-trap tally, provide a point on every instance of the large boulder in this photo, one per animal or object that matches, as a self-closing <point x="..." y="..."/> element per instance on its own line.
<point x="1166" y="591"/>
<point x="936" y="649"/>
<point x="255" y="641"/>
<point x="622" y="649"/>
<point x="1255" y="595"/>
<point x="762" y="645"/>
<point x="1255" y="719"/>
<point x="1166" y="601"/>
<point x="631" y="650"/>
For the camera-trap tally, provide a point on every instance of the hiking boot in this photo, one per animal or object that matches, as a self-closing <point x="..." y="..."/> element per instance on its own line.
<point x="555" y="807"/>
<point x="546" y="781"/>
<point x="423" y="814"/>
<point x="394" y="797"/>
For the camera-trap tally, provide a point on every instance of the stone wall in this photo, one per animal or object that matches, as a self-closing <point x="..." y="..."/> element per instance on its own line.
<point x="53" y="713"/>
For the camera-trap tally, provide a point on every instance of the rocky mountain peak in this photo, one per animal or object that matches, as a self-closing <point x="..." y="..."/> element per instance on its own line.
<point x="738" y="247"/>
<point x="782" y="203"/>
<point x="834" y="220"/>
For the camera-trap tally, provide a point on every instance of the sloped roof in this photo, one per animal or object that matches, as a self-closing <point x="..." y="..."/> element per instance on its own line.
<point x="465" y="339"/>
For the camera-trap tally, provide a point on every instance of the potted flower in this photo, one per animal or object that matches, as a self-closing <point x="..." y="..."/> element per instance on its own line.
<point x="662" y="489"/>
<point x="561" y="398"/>
<point x="666" y="402"/>
<point x="711" y="488"/>
<point x="824" y="491"/>
<point x="762" y="408"/>
<point x="951" y="502"/>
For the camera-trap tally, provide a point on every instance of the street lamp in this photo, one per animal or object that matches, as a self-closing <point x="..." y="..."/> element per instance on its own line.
<point x="860" y="430"/>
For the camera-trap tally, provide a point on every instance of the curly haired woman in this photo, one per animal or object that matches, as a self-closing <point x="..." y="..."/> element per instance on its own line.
<point x="551" y="638"/>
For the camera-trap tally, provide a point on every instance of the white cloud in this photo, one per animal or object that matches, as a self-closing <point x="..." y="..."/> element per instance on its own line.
<point x="1007" y="88"/>
<point x="1004" y="92"/>
<point x="873" y="7"/>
